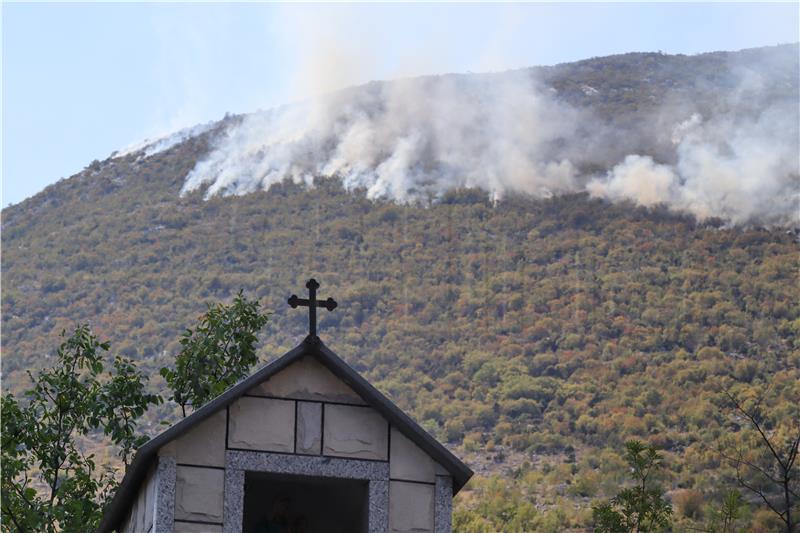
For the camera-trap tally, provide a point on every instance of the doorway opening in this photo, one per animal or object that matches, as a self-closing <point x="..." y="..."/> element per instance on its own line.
<point x="279" y="503"/>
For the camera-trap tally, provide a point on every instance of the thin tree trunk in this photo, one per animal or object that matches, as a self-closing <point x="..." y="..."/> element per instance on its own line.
<point x="788" y="503"/>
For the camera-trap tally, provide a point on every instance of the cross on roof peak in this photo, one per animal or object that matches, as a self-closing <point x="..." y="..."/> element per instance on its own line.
<point x="312" y="304"/>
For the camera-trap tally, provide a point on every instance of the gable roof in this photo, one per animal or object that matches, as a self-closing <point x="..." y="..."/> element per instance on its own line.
<point x="311" y="346"/>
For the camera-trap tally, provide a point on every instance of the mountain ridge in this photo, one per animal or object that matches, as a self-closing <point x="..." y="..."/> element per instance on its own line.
<point x="533" y="335"/>
<point x="633" y="88"/>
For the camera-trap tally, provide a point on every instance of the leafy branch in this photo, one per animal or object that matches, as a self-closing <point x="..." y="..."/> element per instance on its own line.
<point x="217" y="353"/>
<point x="40" y="437"/>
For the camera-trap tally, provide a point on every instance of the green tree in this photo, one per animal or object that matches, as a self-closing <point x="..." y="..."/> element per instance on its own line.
<point x="642" y="507"/>
<point x="216" y="354"/>
<point x="766" y="465"/>
<point x="49" y="484"/>
<point x="723" y="519"/>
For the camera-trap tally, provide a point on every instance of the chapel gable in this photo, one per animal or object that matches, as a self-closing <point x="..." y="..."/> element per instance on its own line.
<point x="304" y="444"/>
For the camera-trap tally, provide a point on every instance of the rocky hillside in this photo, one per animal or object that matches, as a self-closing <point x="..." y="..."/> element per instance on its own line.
<point x="534" y="335"/>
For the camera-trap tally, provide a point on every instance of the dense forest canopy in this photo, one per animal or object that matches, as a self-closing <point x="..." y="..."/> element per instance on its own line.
<point x="532" y="335"/>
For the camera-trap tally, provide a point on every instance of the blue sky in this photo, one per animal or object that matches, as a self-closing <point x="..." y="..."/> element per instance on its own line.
<point x="82" y="80"/>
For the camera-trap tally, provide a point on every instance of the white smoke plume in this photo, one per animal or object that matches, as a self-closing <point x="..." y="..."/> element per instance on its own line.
<point x="416" y="138"/>
<point x="742" y="168"/>
<point x="152" y="146"/>
<point x="404" y="140"/>
<point x="751" y="175"/>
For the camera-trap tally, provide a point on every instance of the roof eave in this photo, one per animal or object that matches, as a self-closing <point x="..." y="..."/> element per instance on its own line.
<point x="311" y="346"/>
<point x="137" y="470"/>
<point x="461" y="472"/>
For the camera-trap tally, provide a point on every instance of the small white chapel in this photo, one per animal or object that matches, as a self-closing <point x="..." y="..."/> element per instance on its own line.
<point x="304" y="445"/>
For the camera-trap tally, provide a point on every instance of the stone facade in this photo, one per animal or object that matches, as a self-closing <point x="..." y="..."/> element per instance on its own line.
<point x="261" y="424"/>
<point x="309" y="428"/>
<point x="140" y="519"/>
<point x="411" y="507"/>
<point x="302" y="421"/>
<point x="199" y="494"/>
<point x="308" y="379"/>
<point x="354" y="431"/>
<point x="204" y="445"/>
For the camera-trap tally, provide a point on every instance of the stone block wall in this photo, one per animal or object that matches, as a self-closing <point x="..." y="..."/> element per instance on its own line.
<point x="199" y="457"/>
<point x="140" y="518"/>
<point x="303" y="411"/>
<point x="354" y="431"/>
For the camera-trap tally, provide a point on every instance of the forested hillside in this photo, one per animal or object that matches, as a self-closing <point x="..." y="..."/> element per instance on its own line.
<point x="533" y="336"/>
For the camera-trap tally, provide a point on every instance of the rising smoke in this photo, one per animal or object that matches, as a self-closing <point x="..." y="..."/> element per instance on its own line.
<point x="404" y="140"/>
<point x="416" y="138"/>
<point x="740" y="171"/>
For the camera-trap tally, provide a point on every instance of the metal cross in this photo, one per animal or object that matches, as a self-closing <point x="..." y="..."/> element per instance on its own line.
<point x="312" y="304"/>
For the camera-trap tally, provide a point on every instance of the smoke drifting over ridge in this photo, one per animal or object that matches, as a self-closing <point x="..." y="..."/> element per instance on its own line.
<point x="403" y="140"/>
<point x="738" y="171"/>
<point x="736" y="158"/>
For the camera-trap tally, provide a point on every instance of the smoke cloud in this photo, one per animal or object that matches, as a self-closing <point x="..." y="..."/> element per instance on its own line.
<point x="416" y="138"/>
<point x="404" y="140"/>
<point x="739" y="170"/>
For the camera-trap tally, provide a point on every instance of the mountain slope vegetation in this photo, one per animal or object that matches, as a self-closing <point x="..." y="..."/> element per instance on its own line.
<point x="533" y="336"/>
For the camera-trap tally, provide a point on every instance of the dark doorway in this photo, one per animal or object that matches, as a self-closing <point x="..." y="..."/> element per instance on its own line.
<point x="298" y="504"/>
